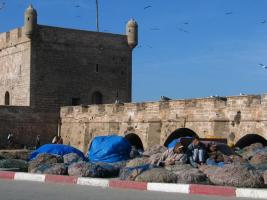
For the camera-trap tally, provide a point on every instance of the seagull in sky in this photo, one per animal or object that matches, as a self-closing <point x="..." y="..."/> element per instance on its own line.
<point x="183" y="30"/>
<point x="263" y="22"/>
<point x="77" y="6"/>
<point x="263" y="66"/>
<point x="229" y="13"/>
<point x="147" y="7"/>
<point x="2" y="5"/>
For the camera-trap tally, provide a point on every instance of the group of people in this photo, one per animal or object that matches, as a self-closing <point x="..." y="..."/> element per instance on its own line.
<point x="196" y="154"/>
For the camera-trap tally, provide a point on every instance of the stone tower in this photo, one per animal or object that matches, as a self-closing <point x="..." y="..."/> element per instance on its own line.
<point x="30" y="21"/>
<point x="132" y="33"/>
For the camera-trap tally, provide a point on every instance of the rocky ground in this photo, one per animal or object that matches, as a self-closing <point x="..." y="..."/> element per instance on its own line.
<point x="248" y="168"/>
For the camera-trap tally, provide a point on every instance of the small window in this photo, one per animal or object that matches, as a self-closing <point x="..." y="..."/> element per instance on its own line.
<point x="7" y="99"/>
<point x="76" y="101"/>
<point x="96" y="68"/>
<point x="97" y="98"/>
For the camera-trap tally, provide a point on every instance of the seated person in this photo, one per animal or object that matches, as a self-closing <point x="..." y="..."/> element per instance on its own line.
<point x="173" y="156"/>
<point x="196" y="152"/>
<point x="216" y="158"/>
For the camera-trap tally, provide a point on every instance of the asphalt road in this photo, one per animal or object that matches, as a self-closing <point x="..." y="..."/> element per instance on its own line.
<point x="22" y="190"/>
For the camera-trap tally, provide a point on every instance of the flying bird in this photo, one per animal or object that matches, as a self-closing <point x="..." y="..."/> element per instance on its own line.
<point x="186" y="23"/>
<point x="183" y="30"/>
<point x="263" y="66"/>
<point x="147" y="7"/>
<point x="229" y="13"/>
<point x="77" y="6"/>
<point x="263" y="22"/>
<point x="2" y="5"/>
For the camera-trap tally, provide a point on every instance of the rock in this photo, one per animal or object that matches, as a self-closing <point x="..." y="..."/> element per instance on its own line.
<point x="22" y="154"/>
<point x="187" y="174"/>
<point x="21" y="165"/>
<point x="207" y="169"/>
<point x="236" y="176"/>
<point x="44" y="159"/>
<point x="138" y="162"/>
<point x="249" y="151"/>
<point x="153" y="159"/>
<point x="86" y="169"/>
<point x="178" y="167"/>
<point x="258" y="159"/>
<point x="54" y="168"/>
<point x="130" y="173"/>
<point x="71" y="158"/>
<point x="158" y="175"/>
<point x="154" y="150"/>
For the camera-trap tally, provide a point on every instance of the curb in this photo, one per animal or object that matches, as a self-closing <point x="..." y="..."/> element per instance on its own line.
<point x="193" y="189"/>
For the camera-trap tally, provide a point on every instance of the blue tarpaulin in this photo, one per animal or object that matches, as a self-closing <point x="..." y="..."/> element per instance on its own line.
<point x="175" y="141"/>
<point x="109" y="149"/>
<point x="56" y="149"/>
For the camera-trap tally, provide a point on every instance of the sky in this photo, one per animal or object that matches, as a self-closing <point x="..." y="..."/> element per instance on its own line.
<point x="187" y="48"/>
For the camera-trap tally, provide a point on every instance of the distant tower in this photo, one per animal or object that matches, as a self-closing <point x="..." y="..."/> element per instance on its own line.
<point x="30" y="21"/>
<point x="132" y="33"/>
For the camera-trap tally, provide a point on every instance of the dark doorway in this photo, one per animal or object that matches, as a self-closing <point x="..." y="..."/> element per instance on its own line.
<point x="182" y="132"/>
<point x="134" y="140"/>
<point x="250" y="139"/>
<point x="97" y="98"/>
<point x="7" y="99"/>
<point x="75" y="101"/>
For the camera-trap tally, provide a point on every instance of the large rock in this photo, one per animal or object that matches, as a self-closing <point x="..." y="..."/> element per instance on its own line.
<point x="21" y="154"/>
<point x="72" y="158"/>
<point x="208" y="170"/>
<point x="258" y="159"/>
<point x="20" y="165"/>
<point x="138" y="162"/>
<point x="159" y="175"/>
<point x="236" y="176"/>
<point x="153" y="159"/>
<point x="85" y="169"/>
<point x="42" y="159"/>
<point x="249" y="151"/>
<point x="130" y="173"/>
<point x="187" y="174"/>
<point x="154" y="150"/>
<point x="54" y="168"/>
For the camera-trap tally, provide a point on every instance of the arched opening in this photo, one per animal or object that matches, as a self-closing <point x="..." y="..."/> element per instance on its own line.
<point x="97" y="98"/>
<point x="134" y="140"/>
<point x="182" y="132"/>
<point x="250" y="139"/>
<point x="7" y="99"/>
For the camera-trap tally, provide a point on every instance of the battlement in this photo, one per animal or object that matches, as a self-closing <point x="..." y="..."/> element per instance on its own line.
<point x="12" y="38"/>
<point x="182" y="104"/>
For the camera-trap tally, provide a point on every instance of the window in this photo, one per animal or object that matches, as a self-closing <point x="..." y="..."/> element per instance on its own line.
<point x="75" y="101"/>
<point x="7" y="99"/>
<point x="96" y="68"/>
<point x="97" y="98"/>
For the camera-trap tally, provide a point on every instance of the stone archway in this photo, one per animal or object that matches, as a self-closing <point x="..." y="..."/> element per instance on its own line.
<point x="134" y="140"/>
<point x="250" y="139"/>
<point x="182" y="132"/>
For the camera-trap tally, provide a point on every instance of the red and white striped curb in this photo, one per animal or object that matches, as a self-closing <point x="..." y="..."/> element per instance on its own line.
<point x="159" y="187"/>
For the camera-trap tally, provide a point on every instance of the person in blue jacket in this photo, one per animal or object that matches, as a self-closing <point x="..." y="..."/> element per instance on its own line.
<point x="196" y="152"/>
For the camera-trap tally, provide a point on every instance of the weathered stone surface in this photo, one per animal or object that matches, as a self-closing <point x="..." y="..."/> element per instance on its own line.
<point x="15" y="154"/>
<point x="138" y="161"/>
<point x="157" y="175"/>
<point x="52" y="168"/>
<point x="236" y="176"/>
<point x="71" y="158"/>
<point x="21" y="165"/>
<point x="42" y="159"/>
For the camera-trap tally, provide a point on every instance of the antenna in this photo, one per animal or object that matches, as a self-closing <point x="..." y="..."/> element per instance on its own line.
<point x="97" y="16"/>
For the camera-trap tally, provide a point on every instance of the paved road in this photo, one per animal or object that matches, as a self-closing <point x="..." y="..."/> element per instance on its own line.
<point x="22" y="190"/>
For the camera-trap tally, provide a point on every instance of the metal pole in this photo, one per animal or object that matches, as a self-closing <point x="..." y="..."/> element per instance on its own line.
<point x="97" y="17"/>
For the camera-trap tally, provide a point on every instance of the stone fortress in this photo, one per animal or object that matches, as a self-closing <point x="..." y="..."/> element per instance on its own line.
<point x="57" y="80"/>
<point x="44" y="68"/>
